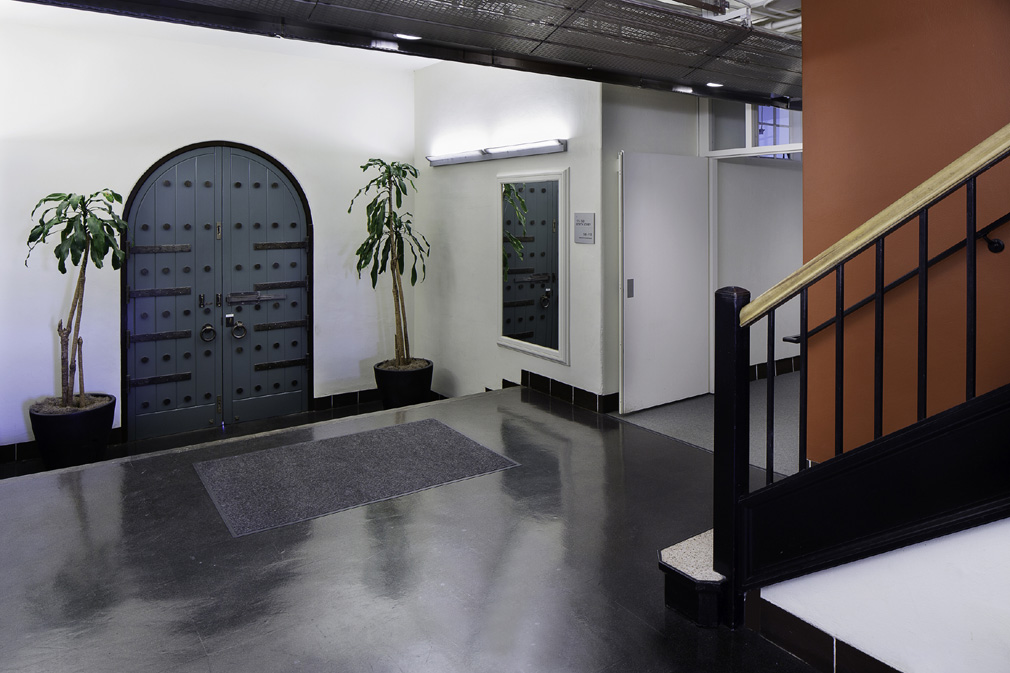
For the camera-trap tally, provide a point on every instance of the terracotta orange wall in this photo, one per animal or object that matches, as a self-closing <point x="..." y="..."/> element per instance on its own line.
<point x="892" y="92"/>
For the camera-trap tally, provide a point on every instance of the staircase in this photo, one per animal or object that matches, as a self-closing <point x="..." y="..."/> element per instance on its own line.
<point x="945" y="472"/>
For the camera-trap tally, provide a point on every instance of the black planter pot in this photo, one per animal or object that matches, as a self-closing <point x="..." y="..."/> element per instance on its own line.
<point x="76" y="438"/>
<point x="400" y="388"/>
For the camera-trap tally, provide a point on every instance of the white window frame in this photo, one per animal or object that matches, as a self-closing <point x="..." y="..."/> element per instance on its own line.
<point x="750" y="149"/>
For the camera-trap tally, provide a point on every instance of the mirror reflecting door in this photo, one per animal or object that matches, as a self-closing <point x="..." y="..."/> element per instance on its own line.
<point x="530" y="282"/>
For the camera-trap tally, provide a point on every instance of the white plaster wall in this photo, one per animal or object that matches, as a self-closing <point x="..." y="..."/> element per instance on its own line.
<point x="934" y="607"/>
<point x="634" y="120"/>
<point x="91" y="100"/>
<point x="460" y="107"/>
<point x="760" y="234"/>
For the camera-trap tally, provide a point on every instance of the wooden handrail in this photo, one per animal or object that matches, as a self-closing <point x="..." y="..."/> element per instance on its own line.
<point x="946" y="180"/>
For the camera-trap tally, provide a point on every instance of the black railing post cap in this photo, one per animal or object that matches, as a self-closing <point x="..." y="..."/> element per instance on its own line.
<point x="733" y="291"/>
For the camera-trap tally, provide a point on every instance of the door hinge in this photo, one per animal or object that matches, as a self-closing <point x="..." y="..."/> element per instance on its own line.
<point x="219" y="231"/>
<point x="220" y="408"/>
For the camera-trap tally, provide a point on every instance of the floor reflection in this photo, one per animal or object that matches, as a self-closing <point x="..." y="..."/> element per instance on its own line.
<point x="549" y="566"/>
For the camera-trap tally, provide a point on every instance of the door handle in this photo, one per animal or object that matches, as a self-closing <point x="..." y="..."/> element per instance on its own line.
<point x="238" y="330"/>
<point x="208" y="333"/>
<point x="631" y="288"/>
<point x="545" y="298"/>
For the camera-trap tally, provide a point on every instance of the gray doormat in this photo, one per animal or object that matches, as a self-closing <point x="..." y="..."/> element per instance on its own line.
<point x="287" y="484"/>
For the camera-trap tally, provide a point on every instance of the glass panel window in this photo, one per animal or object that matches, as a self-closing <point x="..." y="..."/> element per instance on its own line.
<point x="776" y="126"/>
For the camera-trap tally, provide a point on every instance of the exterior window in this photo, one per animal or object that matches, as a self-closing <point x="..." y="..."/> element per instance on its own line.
<point x="730" y="128"/>
<point x="773" y="127"/>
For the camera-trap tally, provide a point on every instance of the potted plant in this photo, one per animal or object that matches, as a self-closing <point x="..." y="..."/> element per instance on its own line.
<point x="404" y="379"/>
<point x="69" y="430"/>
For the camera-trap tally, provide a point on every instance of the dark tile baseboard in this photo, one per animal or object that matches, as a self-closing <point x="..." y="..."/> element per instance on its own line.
<point x="783" y="366"/>
<point x="345" y="399"/>
<point x="807" y="642"/>
<point x="603" y="404"/>
<point x="23" y="457"/>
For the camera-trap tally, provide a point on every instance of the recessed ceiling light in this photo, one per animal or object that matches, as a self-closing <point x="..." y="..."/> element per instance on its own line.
<point x="405" y="36"/>
<point x="714" y="85"/>
<point x="683" y="89"/>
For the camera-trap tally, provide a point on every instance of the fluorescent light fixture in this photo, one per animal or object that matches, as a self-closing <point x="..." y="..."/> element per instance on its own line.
<point x="527" y="148"/>
<point x="714" y="85"/>
<point x="405" y="36"/>
<point x="504" y="152"/>
<point x="456" y="158"/>
<point x="387" y="45"/>
<point x="683" y="89"/>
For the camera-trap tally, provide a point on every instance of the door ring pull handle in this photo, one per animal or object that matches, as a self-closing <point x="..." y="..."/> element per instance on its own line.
<point x="239" y="330"/>
<point x="208" y="333"/>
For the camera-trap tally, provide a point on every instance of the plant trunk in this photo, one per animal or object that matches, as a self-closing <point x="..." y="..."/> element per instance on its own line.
<point x="80" y="370"/>
<point x="403" y="317"/>
<point x="64" y="364"/>
<point x="76" y="310"/>
<point x="68" y="349"/>
<point x="400" y="351"/>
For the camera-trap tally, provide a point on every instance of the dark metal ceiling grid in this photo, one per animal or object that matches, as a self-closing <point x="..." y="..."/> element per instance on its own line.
<point x="666" y="21"/>
<point x="600" y="26"/>
<point x="344" y="19"/>
<point x="532" y="20"/>
<point x="768" y="60"/>
<point x="647" y="70"/>
<point x="632" y="42"/>
<point x="628" y="53"/>
<point x="291" y="9"/>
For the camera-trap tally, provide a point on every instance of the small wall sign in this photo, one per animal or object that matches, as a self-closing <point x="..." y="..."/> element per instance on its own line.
<point x="585" y="227"/>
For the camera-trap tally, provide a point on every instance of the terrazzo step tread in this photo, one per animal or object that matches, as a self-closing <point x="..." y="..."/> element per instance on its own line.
<point x="693" y="557"/>
<point x="690" y="585"/>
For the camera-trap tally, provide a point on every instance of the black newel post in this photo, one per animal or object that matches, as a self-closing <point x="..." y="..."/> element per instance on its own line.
<point x="732" y="435"/>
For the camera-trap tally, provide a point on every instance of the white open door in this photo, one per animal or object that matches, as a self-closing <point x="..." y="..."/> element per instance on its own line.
<point x="665" y="274"/>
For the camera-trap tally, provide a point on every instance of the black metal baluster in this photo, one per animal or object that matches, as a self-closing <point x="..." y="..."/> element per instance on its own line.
<point x="878" y="344"/>
<point x="970" y="249"/>
<point x="770" y="403"/>
<point x="732" y="439"/>
<point x="923" y="310"/>
<point x="803" y="379"/>
<point x="839" y="353"/>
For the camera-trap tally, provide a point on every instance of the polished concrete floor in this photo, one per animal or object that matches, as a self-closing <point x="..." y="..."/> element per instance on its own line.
<point x="548" y="567"/>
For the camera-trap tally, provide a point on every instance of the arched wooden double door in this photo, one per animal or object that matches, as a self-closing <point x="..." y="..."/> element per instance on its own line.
<point x="216" y="303"/>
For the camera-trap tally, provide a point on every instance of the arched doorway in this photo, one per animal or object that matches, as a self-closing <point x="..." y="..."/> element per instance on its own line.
<point x="217" y="293"/>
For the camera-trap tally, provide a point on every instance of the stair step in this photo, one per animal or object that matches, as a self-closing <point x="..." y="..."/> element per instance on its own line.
<point x="691" y="586"/>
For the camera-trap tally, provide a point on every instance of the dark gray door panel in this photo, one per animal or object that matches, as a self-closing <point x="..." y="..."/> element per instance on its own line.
<point x="198" y="225"/>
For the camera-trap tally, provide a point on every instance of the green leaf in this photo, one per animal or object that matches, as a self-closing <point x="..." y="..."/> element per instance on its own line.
<point x="385" y="253"/>
<point x="36" y="233"/>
